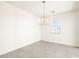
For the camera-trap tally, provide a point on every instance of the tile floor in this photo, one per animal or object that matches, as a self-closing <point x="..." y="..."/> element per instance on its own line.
<point x="44" y="49"/>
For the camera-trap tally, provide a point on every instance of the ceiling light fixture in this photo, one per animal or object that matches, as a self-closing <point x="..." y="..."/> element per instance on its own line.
<point x="53" y="11"/>
<point x="43" y="11"/>
<point x="43" y="1"/>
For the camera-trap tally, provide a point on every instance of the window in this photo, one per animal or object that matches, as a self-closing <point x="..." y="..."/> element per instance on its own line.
<point x="55" y="23"/>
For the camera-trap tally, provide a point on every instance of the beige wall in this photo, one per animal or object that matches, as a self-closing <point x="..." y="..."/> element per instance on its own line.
<point x="17" y="28"/>
<point x="69" y="33"/>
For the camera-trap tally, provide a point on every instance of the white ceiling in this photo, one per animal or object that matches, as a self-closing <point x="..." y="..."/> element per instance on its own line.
<point x="36" y="7"/>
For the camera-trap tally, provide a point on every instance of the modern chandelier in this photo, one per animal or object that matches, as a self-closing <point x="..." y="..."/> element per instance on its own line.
<point x="43" y="11"/>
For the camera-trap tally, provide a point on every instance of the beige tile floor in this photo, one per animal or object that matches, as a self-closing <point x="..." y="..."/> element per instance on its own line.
<point x="43" y="49"/>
